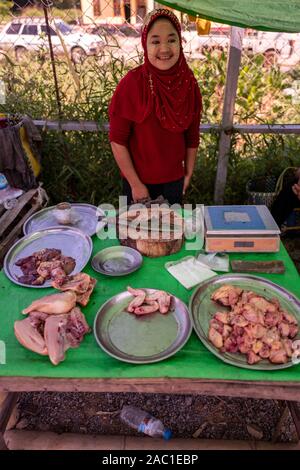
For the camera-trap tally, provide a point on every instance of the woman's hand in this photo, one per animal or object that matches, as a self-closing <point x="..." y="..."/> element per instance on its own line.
<point x="186" y="183"/>
<point x="139" y="191"/>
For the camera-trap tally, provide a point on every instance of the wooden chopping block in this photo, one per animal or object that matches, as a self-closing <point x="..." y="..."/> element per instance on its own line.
<point x="152" y="231"/>
<point x="271" y="267"/>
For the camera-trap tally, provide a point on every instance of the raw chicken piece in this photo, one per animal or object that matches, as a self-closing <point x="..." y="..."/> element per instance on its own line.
<point x="264" y="351"/>
<point x="262" y="304"/>
<point x="45" y="264"/>
<point x="63" y="332"/>
<point x="29" y="336"/>
<point x="135" y="292"/>
<point x="293" y="330"/>
<point x="289" y="318"/>
<point x="82" y="284"/>
<point x="136" y="302"/>
<point x="252" y="358"/>
<point x="53" y="304"/>
<point x="68" y="264"/>
<point x="55" y="337"/>
<point x="278" y="357"/>
<point x="287" y="344"/>
<point x="230" y="345"/>
<point x="145" y="309"/>
<point x="217" y="325"/>
<point x="223" y="317"/>
<point x="164" y="301"/>
<point x="78" y="283"/>
<point x="250" y="314"/>
<point x="272" y="318"/>
<point x="215" y="337"/>
<point x="84" y="298"/>
<point x="76" y="327"/>
<point x="227" y="295"/>
<point x="284" y="329"/>
<point x="144" y="303"/>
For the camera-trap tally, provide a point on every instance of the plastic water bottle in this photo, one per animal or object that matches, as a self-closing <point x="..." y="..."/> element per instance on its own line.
<point x="144" y="422"/>
<point x="8" y="195"/>
<point x="3" y="181"/>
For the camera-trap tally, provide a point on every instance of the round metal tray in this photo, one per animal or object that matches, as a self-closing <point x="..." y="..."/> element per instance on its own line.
<point x="89" y="222"/>
<point x="117" y="261"/>
<point x="71" y="241"/>
<point x="202" y="309"/>
<point x="141" y="339"/>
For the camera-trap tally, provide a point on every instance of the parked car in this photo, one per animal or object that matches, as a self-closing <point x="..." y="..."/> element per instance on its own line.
<point x="27" y="35"/>
<point x="276" y="47"/>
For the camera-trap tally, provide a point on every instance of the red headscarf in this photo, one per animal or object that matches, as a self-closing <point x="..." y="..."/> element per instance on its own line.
<point x="173" y="94"/>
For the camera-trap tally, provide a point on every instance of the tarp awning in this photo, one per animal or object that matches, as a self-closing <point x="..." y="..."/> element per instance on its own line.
<point x="265" y="15"/>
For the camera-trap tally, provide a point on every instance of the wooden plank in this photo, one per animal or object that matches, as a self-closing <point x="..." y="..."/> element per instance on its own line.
<point x="252" y="389"/>
<point x="232" y="75"/>
<point x="36" y="440"/>
<point x="6" y="409"/>
<point x="11" y="214"/>
<point x="4" y="246"/>
<point x="242" y="266"/>
<point x="295" y="413"/>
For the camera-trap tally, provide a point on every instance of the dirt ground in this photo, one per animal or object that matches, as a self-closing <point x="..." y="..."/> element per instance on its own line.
<point x="186" y="415"/>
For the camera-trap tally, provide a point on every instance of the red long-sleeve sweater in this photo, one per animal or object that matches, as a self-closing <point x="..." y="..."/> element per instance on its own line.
<point x="158" y="154"/>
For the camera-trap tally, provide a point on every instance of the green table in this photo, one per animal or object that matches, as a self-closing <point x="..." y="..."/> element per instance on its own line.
<point x="89" y="369"/>
<point x="192" y="370"/>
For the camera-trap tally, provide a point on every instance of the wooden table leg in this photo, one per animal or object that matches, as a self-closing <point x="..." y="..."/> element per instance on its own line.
<point x="7" y="404"/>
<point x="295" y="412"/>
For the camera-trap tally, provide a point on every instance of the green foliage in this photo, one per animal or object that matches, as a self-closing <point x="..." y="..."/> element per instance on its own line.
<point x="79" y="166"/>
<point x="63" y="11"/>
<point x="5" y="7"/>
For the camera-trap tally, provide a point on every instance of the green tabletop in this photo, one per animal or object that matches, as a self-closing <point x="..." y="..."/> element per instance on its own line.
<point x="89" y="361"/>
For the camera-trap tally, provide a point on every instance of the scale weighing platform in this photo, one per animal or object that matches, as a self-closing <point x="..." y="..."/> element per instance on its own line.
<point x="240" y="229"/>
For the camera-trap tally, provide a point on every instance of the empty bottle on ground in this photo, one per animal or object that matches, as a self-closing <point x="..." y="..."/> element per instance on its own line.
<point x="144" y="422"/>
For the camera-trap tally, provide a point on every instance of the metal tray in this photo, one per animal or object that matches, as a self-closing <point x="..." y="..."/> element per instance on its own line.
<point x="202" y="309"/>
<point x="143" y="339"/>
<point x="117" y="261"/>
<point x="71" y="242"/>
<point x="90" y="216"/>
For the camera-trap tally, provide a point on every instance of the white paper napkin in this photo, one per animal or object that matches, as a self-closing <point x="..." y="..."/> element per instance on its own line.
<point x="189" y="271"/>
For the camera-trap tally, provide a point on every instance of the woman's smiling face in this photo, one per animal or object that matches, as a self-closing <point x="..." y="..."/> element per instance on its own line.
<point x="163" y="45"/>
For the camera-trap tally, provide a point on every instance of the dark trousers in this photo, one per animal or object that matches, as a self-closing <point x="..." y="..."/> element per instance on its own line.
<point x="284" y="204"/>
<point x="171" y="191"/>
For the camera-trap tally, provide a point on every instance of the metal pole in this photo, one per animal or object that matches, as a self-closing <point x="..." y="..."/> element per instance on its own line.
<point x="46" y="4"/>
<point x="232" y="74"/>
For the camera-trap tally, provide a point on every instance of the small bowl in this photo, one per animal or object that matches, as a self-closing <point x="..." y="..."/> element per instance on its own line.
<point x="117" y="261"/>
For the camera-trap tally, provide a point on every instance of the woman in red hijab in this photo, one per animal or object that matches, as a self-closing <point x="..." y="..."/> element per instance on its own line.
<point x="155" y="116"/>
